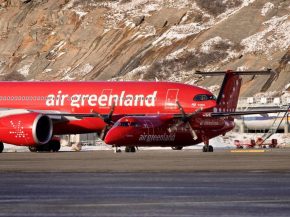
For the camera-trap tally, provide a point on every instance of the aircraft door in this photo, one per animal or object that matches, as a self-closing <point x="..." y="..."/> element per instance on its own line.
<point x="171" y="98"/>
<point x="149" y="126"/>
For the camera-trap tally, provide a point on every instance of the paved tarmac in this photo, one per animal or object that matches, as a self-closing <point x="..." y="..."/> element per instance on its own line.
<point x="145" y="194"/>
<point x="147" y="183"/>
<point x="145" y="161"/>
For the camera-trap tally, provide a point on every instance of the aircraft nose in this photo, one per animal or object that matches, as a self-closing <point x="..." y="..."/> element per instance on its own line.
<point x="113" y="137"/>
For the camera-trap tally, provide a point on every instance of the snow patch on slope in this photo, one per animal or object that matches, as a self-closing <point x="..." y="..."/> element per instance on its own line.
<point x="66" y="74"/>
<point x="287" y="86"/>
<point x="247" y="2"/>
<point x="176" y="54"/>
<point x="24" y="70"/>
<point x="178" y="33"/>
<point x="275" y="36"/>
<point x="47" y="70"/>
<point x="232" y="11"/>
<point x="206" y="46"/>
<point x="2" y="64"/>
<point x="267" y="8"/>
<point x="80" y="12"/>
<point x="85" y="69"/>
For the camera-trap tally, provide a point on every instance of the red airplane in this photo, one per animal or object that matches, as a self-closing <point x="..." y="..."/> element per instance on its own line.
<point x="32" y="113"/>
<point x="212" y="118"/>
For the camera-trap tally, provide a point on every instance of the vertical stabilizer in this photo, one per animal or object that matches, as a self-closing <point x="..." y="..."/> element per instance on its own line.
<point x="229" y="94"/>
<point x="228" y="97"/>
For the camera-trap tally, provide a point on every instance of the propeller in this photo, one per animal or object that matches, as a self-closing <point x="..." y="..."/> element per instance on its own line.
<point x="108" y="121"/>
<point x="185" y="120"/>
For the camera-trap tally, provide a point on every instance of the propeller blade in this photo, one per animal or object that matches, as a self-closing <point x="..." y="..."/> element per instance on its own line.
<point x="185" y="120"/>
<point x="112" y="110"/>
<point x="104" y="132"/>
<point x="174" y="127"/>
<point x="108" y="121"/>
<point x="191" y="130"/>
<point x="181" y="109"/>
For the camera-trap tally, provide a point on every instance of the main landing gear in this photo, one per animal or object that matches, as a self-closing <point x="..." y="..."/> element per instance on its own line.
<point x="130" y="149"/>
<point x="1" y="147"/>
<point x="207" y="147"/>
<point x="52" y="146"/>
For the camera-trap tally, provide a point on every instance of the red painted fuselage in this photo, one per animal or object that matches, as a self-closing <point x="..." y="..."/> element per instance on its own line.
<point x="131" y="98"/>
<point x="154" y="131"/>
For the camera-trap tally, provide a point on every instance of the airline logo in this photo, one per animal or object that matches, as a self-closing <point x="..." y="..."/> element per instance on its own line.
<point x="103" y="100"/>
<point x="17" y="131"/>
<point x="157" y="138"/>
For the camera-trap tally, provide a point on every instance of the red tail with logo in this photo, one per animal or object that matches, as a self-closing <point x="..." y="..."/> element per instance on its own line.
<point x="229" y="94"/>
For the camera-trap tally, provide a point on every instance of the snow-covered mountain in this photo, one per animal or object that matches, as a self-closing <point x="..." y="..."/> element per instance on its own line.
<point x="146" y="40"/>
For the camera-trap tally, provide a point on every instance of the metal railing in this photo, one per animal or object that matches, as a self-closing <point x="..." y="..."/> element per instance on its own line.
<point x="245" y="102"/>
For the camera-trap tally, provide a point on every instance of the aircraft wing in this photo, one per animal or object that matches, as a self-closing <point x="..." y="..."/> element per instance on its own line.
<point x="70" y="115"/>
<point x="54" y="115"/>
<point x="252" y="112"/>
<point x="64" y="116"/>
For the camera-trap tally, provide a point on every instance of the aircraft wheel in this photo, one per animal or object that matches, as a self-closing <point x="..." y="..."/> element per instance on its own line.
<point x="33" y="148"/>
<point x="127" y="149"/>
<point x="210" y="148"/>
<point x="54" y="146"/>
<point x="117" y="149"/>
<point x="207" y="148"/>
<point x="130" y="149"/>
<point x="177" y="148"/>
<point x="1" y="147"/>
<point x="133" y="149"/>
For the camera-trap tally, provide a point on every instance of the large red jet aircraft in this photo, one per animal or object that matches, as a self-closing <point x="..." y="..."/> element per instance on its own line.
<point x="123" y="113"/>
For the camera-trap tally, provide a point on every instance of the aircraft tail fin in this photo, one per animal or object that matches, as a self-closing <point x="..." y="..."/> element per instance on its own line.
<point x="228" y="97"/>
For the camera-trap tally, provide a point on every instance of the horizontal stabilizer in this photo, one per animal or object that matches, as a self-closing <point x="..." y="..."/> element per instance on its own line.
<point x="218" y="73"/>
<point x="240" y="113"/>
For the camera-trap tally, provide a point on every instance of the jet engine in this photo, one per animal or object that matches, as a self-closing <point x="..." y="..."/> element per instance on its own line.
<point x="28" y="129"/>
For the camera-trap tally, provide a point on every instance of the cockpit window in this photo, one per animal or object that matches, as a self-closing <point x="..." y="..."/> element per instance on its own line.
<point x="135" y="124"/>
<point x="204" y="97"/>
<point x="124" y="124"/>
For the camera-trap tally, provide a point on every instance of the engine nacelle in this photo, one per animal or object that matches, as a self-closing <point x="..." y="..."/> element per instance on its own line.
<point x="27" y="129"/>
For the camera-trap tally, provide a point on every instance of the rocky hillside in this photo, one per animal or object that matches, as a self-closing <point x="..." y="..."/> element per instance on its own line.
<point x="146" y="40"/>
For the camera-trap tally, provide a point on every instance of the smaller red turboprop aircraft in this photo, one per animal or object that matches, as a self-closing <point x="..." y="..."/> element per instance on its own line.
<point x="179" y="130"/>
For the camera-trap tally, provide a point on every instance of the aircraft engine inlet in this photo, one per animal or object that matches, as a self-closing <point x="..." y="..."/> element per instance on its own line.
<point x="28" y="129"/>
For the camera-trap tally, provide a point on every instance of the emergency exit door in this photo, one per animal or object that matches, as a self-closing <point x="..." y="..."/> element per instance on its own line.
<point x="171" y="98"/>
